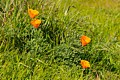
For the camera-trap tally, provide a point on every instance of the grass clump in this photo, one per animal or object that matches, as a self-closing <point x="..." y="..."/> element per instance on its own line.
<point x="53" y="50"/>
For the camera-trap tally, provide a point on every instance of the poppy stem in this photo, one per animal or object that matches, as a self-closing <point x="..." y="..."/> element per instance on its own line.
<point x="81" y="76"/>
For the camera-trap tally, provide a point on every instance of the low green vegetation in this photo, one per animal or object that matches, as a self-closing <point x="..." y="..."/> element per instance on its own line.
<point x="53" y="51"/>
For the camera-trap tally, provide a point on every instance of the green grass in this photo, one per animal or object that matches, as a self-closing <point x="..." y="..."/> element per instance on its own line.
<point x="53" y="51"/>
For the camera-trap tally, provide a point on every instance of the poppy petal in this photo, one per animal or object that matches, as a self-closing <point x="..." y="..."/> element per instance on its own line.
<point x="85" y="40"/>
<point x="85" y="64"/>
<point x="36" y="23"/>
<point x="32" y="13"/>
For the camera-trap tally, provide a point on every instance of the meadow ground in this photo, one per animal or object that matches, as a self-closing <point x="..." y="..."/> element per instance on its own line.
<point x="53" y="51"/>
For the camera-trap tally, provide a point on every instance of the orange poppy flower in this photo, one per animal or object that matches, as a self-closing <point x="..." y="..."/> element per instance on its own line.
<point x="85" y="40"/>
<point x="32" y="13"/>
<point x="36" y="23"/>
<point x="85" y="64"/>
